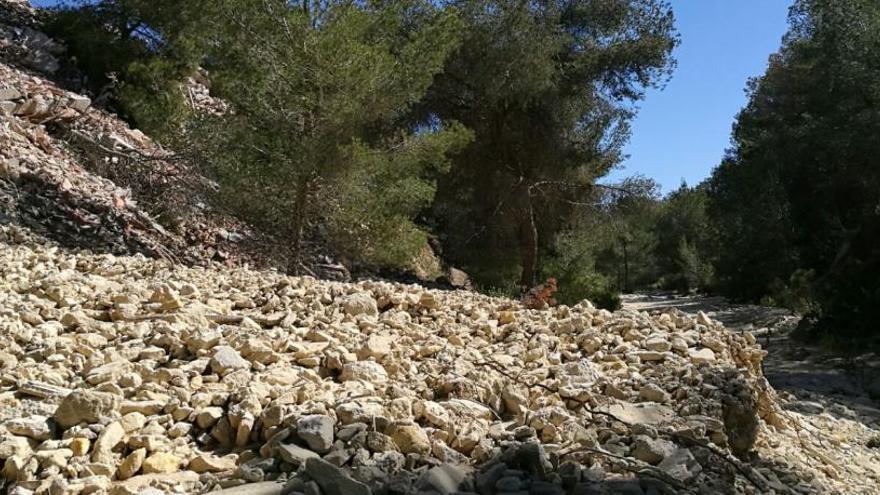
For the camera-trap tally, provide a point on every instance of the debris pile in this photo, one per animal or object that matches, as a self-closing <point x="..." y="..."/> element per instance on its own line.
<point x="124" y="375"/>
<point x="81" y="176"/>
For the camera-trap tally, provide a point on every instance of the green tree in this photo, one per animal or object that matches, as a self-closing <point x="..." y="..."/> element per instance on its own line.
<point x="800" y="190"/>
<point x="686" y="240"/>
<point x="134" y="54"/>
<point x="546" y="88"/>
<point x="608" y="245"/>
<point x="317" y="94"/>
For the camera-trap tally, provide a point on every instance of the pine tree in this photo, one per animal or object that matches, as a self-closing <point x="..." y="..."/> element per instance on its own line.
<point x="545" y="87"/>
<point x="317" y="92"/>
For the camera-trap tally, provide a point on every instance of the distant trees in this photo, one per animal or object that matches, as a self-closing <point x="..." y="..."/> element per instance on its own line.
<point x="546" y="88"/>
<point x="797" y="201"/>
<point x="687" y="241"/>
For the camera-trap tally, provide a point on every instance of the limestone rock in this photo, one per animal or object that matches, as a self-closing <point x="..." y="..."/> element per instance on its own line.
<point x="651" y="450"/>
<point x="107" y="441"/>
<point x="131" y="464"/>
<point x="226" y="360"/>
<point x="36" y="427"/>
<point x="85" y="406"/>
<point x="368" y="371"/>
<point x="653" y="393"/>
<point x="317" y="431"/>
<point x="161" y="462"/>
<point x="360" y="303"/>
<point x="211" y="464"/>
<point x="410" y="439"/>
<point x="702" y="356"/>
<point x="294" y="454"/>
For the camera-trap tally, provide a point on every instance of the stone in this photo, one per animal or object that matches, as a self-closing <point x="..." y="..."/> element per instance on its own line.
<point x="380" y="442"/>
<point x="532" y="458"/>
<point x="145" y="407"/>
<point x="107" y="441"/>
<point x="211" y="464"/>
<point x="131" y="464"/>
<point x="261" y="488"/>
<point x="208" y="417"/>
<point x="133" y="422"/>
<point x="702" y="356"/>
<point x="12" y="445"/>
<point x="651" y="450"/>
<point x="805" y="407"/>
<point x="644" y="413"/>
<point x="376" y="347"/>
<point x="80" y="446"/>
<point x="368" y="371"/>
<point x="445" y="479"/>
<point x="226" y="360"/>
<point x="410" y="439"/>
<point x="681" y="465"/>
<point x="317" y="431"/>
<point x="360" y="303"/>
<point x="9" y="93"/>
<point x="36" y="427"/>
<point x="294" y="454"/>
<point x="653" y="393"/>
<point x="79" y="103"/>
<point x="161" y="462"/>
<point x="244" y="376"/>
<point x="658" y="344"/>
<point x="332" y="480"/>
<point x="433" y="412"/>
<point x="85" y="406"/>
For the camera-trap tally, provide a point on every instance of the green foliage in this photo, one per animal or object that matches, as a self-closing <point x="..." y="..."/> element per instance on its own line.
<point x="694" y="271"/>
<point x="377" y="228"/>
<point x="799" y="191"/>
<point x="546" y="88"/>
<point x="686" y="240"/>
<point x="137" y="53"/>
<point x="318" y="93"/>
<point x="574" y="261"/>
<point x="796" y="294"/>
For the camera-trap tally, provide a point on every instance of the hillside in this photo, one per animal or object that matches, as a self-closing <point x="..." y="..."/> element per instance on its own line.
<point x="140" y="354"/>
<point x="80" y="176"/>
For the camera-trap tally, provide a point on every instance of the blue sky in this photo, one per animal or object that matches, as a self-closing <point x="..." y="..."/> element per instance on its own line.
<point x="682" y="131"/>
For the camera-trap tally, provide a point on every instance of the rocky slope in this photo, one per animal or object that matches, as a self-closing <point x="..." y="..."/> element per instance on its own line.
<point x="79" y="175"/>
<point x="149" y="364"/>
<point x="126" y="374"/>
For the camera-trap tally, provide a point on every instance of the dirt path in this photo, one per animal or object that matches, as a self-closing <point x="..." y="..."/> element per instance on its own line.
<point x="809" y="378"/>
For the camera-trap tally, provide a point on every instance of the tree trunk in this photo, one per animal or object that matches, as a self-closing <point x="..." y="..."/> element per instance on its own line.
<point x="529" y="246"/>
<point x="301" y="202"/>
<point x="625" y="267"/>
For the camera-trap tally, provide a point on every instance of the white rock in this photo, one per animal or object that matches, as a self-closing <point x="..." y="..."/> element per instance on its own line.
<point x="702" y="356"/>
<point x="226" y="360"/>
<point x="360" y="303"/>
<point x="368" y="371"/>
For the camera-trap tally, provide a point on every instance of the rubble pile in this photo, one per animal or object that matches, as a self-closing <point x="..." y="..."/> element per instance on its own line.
<point x="128" y="375"/>
<point x="81" y="176"/>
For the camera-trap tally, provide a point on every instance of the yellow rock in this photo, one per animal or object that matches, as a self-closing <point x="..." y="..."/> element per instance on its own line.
<point x="80" y="446"/>
<point x="211" y="464"/>
<point x="410" y="439"/>
<point x="132" y="464"/>
<point x="161" y="462"/>
<point x="506" y="317"/>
